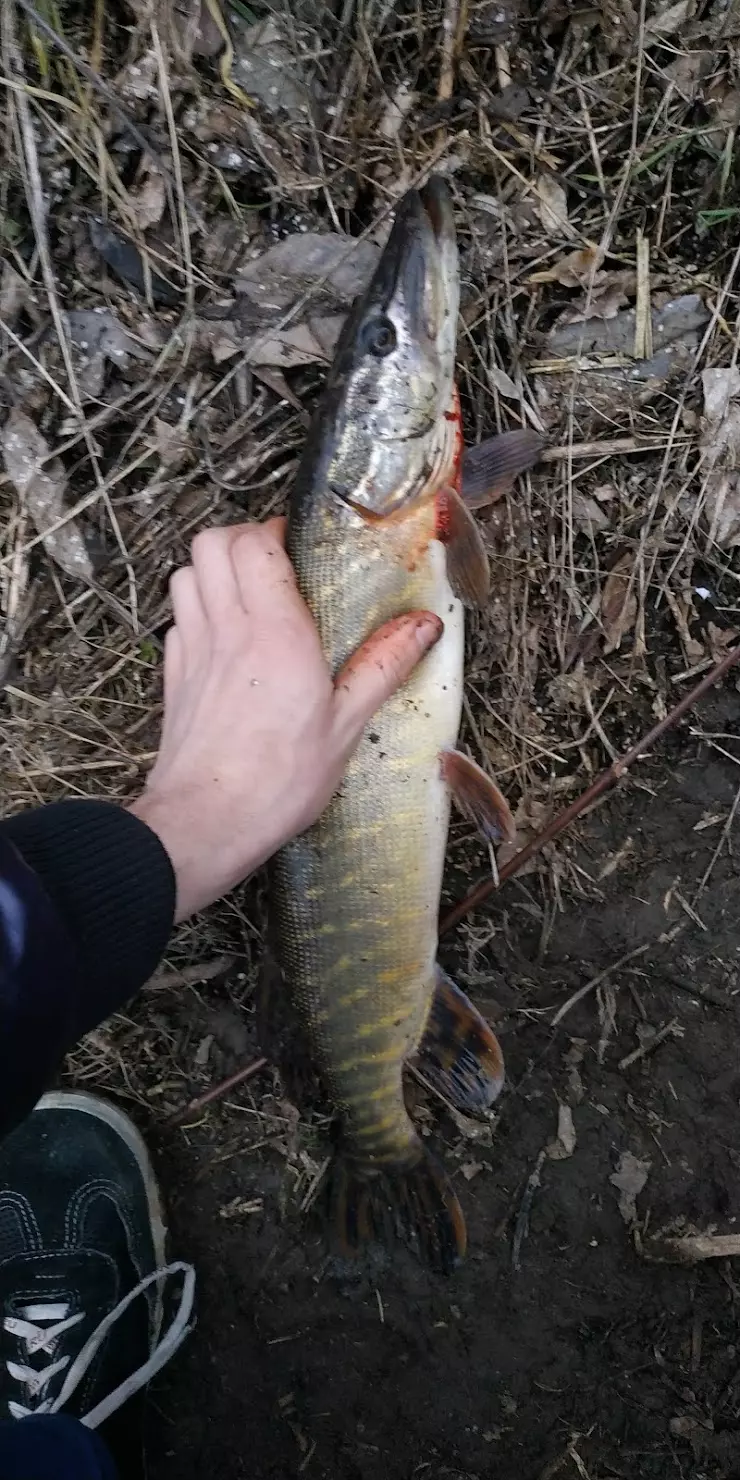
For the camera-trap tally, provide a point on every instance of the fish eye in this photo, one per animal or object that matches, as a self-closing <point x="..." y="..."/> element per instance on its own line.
<point x="379" y="337"/>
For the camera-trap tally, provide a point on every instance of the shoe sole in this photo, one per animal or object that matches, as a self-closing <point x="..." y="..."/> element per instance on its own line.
<point x="124" y="1127"/>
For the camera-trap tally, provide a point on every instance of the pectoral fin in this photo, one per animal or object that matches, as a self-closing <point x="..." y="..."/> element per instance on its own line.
<point x="478" y="797"/>
<point x="467" y="557"/>
<point x="459" y="1056"/>
<point x="488" y="471"/>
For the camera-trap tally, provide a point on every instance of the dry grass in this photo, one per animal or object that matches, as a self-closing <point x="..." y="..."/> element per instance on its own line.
<point x="591" y="155"/>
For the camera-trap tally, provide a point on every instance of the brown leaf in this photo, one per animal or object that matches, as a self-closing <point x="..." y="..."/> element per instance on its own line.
<point x="148" y="201"/>
<point x="551" y="204"/>
<point x="41" y="484"/>
<point x="575" y="270"/>
<point x="669" y="20"/>
<point x="588" y="514"/>
<point x="398" y="105"/>
<point x="16" y="294"/>
<point x="618" y="602"/>
<point x="564" y="1143"/>
<point x="629" y="1180"/>
<point x="326" y="262"/>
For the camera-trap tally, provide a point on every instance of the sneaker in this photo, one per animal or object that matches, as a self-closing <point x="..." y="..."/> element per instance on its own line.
<point x="82" y="1269"/>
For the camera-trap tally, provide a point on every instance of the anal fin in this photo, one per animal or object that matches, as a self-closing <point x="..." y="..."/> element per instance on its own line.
<point x="459" y="1056"/>
<point x="478" y="797"/>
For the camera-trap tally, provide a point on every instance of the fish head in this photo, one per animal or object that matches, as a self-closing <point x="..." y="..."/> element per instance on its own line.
<point x="385" y="436"/>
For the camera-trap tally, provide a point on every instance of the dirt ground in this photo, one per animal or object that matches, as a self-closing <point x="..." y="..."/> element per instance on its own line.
<point x="585" y="1360"/>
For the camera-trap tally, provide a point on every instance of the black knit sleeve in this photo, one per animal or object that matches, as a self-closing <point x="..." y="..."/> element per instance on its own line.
<point x="87" y="900"/>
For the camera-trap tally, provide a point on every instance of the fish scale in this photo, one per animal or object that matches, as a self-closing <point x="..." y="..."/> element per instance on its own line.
<point x="356" y="897"/>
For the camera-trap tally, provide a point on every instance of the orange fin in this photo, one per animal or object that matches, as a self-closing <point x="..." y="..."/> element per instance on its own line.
<point x="467" y="558"/>
<point x="413" y="1201"/>
<point x="488" y="471"/>
<point x="459" y="1056"/>
<point x="478" y="797"/>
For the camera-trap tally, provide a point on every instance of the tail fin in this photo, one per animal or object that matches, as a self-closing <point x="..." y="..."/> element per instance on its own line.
<point x="412" y="1200"/>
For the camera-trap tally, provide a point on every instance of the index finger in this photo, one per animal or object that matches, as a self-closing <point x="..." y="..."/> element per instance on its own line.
<point x="263" y="571"/>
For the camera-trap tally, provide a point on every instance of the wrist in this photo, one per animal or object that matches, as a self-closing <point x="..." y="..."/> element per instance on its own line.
<point x="199" y="843"/>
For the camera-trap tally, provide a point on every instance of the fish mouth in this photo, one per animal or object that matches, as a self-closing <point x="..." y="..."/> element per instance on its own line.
<point x="436" y="201"/>
<point x="420" y="260"/>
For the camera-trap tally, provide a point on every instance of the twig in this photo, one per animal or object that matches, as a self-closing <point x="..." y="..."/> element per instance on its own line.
<point x="672" y="1029"/>
<point x="704" y="994"/>
<point x="602" y="784"/>
<point x="690" y="1248"/>
<point x="449" y="43"/>
<point x="521" y="1227"/>
<point x="596" y="981"/>
<point x="188" y="976"/>
<point x="215" y="1092"/>
<point x="725" y="833"/>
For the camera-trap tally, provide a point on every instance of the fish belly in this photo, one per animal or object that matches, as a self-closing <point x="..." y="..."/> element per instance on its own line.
<point x="356" y="898"/>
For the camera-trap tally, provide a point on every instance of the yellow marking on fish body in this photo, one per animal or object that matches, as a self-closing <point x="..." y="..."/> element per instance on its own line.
<point x="406" y="762"/>
<point x="349" y="1065"/>
<point x="351" y="998"/>
<point x="395" y="974"/>
<point x="327" y="929"/>
<point x="384" y="1123"/>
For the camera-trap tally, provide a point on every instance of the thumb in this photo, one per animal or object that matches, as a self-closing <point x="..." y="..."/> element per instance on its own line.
<point x="381" y="666"/>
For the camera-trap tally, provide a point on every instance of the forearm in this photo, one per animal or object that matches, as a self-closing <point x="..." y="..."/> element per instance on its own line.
<point x="87" y="899"/>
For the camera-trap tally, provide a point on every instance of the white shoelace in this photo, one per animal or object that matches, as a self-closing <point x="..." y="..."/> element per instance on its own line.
<point x="39" y="1327"/>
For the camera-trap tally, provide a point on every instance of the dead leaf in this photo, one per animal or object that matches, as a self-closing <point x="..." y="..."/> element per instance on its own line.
<point x="604" y="301"/>
<point x="565" y="1141"/>
<point x="531" y="817"/>
<point x="552" y="206"/>
<point x="618" y="602"/>
<point x="327" y="263"/>
<point x="619" y="24"/>
<point x="629" y="1180"/>
<point x="287" y="348"/>
<point x="683" y="611"/>
<point x="98" y="336"/>
<point x="270" y="69"/>
<point x="688" y="71"/>
<point x="575" y="270"/>
<point x="397" y="107"/>
<point x="720" y="639"/>
<point x="675" y="325"/>
<point x="207" y="39"/>
<point x="503" y="383"/>
<point x="470" y="1169"/>
<point x="588" y="514"/>
<point x="720" y="441"/>
<point x="668" y="21"/>
<point x="41" y="490"/>
<point x="148" y="201"/>
<point x="328" y="270"/>
<point x="16" y="294"/>
<point x="172" y="444"/>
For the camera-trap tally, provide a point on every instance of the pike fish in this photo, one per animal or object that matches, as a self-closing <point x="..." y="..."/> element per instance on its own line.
<point x="379" y="524"/>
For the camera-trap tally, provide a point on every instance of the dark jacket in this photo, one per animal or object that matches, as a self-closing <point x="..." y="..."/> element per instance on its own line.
<point x="87" y="899"/>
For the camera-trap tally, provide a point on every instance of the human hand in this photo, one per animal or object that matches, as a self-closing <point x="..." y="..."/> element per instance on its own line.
<point x="256" y="735"/>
